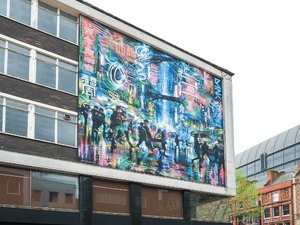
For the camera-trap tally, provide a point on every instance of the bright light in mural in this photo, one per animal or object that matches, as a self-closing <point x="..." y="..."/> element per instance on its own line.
<point x="142" y="110"/>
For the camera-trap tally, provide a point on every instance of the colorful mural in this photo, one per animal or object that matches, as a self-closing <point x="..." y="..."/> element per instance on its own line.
<point x="142" y="110"/>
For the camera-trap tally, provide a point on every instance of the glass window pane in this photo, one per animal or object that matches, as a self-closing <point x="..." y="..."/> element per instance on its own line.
<point x="250" y="169"/>
<point x="16" y="120"/>
<point x="44" y="128"/>
<point x="278" y="158"/>
<point x="46" y="74"/>
<point x="111" y="197"/>
<point x="161" y="202"/>
<point x="3" y="7"/>
<point x="1" y="113"/>
<point x="47" y="20"/>
<point x="1" y="60"/>
<point x="289" y="154"/>
<point x="297" y="150"/>
<point x="19" y="49"/>
<point x="270" y="162"/>
<point x="14" y="186"/>
<point x="276" y="211"/>
<point x="50" y="190"/>
<point x="20" y="10"/>
<point x="67" y="80"/>
<point x="257" y="166"/>
<point x="66" y="133"/>
<point x="68" y="28"/>
<point x="285" y="210"/>
<point x="18" y="65"/>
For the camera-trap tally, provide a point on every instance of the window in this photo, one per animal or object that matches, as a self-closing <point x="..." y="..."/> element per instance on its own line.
<point x="46" y="70"/>
<point x="289" y="154"/>
<point x="53" y="196"/>
<point x="18" y="61"/>
<point x="57" y="22"/>
<point x="46" y="129"/>
<point x="1" y="112"/>
<point x="68" y="27"/>
<point x="49" y="19"/>
<point x="278" y="158"/>
<point x="275" y="197"/>
<point x="111" y="197"/>
<point x="161" y="202"/>
<point x="3" y="7"/>
<point x="69" y="198"/>
<point x="67" y="77"/>
<point x="52" y="71"/>
<point x="66" y="129"/>
<point x="276" y="211"/>
<point x="270" y="162"/>
<point x="2" y="55"/>
<point x="20" y="10"/>
<point x="250" y="169"/>
<point x="56" y="73"/>
<point x="16" y="117"/>
<point x="297" y="150"/>
<point x="54" y="190"/>
<point x="14" y="187"/>
<point x="285" y="210"/>
<point x="267" y="213"/>
<point x="263" y="161"/>
<point x="44" y="124"/>
<point x="50" y="124"/>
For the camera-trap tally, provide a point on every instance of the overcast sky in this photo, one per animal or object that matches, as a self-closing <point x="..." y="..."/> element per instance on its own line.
<point x="258" y="40"/>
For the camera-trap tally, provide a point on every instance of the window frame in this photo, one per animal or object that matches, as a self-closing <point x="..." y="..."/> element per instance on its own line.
<point x="31" y="113"/>
<point x="284" y="210"/>
<point x="267" y="211"/>
<point x="33" y="18"/>
<point x="278" y="212"/>
<point x="61" y="64"/>
<point x="275" y="197"/>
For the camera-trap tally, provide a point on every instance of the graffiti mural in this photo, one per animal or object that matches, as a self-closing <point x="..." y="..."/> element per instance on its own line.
<point x="142" y="110"/>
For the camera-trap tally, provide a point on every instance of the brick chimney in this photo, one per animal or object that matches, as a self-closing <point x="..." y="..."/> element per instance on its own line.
<point x="272" y="174"/>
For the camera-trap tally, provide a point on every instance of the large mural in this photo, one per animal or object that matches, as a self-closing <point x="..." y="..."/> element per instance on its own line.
<point x="142" y="110"/>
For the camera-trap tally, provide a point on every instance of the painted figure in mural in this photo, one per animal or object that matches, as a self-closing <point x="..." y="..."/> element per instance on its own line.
<point x="116" y="129"/>
<point x="177" y="149"/>
<point x="145" y="135"/>
<point x="160" y="143"/>
<point x="207" y="171"/>
<point x="197" y="147"/>
<point x="84" y="111"/>
<point x="98" y="118"/>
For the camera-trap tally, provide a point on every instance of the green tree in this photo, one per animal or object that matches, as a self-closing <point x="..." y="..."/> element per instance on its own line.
<point x="245" y="205"/>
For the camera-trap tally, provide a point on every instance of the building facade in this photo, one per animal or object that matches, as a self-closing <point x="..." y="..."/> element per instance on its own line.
<point x="277" y="199"/>
<point x="65" y="64"/>
<point x="279" y="153"/>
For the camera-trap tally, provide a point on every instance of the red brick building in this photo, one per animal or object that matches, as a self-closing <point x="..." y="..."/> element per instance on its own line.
<point x="279" y="198"/>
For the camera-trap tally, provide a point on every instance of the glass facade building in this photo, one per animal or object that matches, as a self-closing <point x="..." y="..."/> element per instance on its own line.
<point x="279" y="153"/>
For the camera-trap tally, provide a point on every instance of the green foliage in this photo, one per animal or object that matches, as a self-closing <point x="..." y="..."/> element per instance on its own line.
<point x="246" y="202"/>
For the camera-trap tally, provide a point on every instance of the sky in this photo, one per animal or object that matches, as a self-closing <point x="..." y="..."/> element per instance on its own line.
<point x="257" y="40"/>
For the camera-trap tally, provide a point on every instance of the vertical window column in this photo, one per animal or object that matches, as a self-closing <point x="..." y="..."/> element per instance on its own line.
<point x="136" y="203"/>
<point x="187" y="207"/>
<point x="86" y="200"/>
